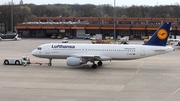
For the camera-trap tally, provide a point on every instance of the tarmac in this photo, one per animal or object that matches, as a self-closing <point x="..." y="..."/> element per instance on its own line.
<point x="154" y="78"/>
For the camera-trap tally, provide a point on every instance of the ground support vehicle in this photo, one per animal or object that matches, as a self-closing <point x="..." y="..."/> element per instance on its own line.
<point x="123" y="41"/>
<point x="106" y="41"/>
<point x="16" y="61"/>
<point x="65" y="40"/>
<point x="53" y="36"/>
<point x="9" y="37"/>
<point x="178" y="44"/>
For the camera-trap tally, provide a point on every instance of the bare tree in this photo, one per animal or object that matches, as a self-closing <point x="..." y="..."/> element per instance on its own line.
<point x="107" y="10"/>
<point x="40" y="11"/>
<point x="24" y="13"/>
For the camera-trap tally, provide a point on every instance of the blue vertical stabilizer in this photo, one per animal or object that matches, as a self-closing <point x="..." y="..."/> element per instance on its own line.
<point x="159" y="38"/>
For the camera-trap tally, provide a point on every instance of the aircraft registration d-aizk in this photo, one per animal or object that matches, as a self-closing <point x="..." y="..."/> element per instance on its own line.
<point x="78" y="54"/>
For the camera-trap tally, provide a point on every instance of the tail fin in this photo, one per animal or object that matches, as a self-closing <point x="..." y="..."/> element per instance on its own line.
<point x="159" y="38"/>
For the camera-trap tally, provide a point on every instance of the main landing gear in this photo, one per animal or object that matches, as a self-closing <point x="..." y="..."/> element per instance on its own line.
<point x="50" y="62"/>
<point x="94" y="66"/>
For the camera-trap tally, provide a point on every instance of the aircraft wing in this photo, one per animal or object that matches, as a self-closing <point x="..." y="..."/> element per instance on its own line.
<point x="96" y="57"/>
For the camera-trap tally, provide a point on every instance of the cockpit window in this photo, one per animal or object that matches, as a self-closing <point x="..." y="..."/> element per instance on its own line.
<point x="39" y="48"/>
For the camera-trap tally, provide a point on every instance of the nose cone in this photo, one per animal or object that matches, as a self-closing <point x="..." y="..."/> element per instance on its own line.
<point x="34" y="52"/>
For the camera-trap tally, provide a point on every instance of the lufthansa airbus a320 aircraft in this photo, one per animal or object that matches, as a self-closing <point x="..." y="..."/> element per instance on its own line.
<point x="78" y="54"/>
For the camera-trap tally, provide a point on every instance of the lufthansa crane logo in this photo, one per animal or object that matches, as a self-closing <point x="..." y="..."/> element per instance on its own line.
<point x="162" y="34"/>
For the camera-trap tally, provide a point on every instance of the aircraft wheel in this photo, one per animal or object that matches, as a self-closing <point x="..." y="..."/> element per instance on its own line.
<point x="6" y="62"/>
<point x="94" y="66"/>
<point x="100" y="63"/>
<point x="17" y="62"/>
<point x="49" y="64"/>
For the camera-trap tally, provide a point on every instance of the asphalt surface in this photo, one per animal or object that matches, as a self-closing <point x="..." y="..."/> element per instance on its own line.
<point x="154" y="78"/>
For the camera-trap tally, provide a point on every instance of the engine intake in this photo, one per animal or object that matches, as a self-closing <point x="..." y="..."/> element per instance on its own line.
<point x="73" y="61"/>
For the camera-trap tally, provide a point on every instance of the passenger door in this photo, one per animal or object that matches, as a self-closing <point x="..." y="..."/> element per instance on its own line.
<point x="48" y="50"/>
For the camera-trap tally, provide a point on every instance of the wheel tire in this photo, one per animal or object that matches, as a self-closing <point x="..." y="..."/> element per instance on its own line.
<point x="17" y="62"/>
<point x="49" y="64"/>
<point x="6" y="62"/>
<point x="100" y="63"/>
<point x="94" y="66"/>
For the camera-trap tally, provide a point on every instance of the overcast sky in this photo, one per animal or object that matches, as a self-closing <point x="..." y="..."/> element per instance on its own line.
<point x="98" y="2"/>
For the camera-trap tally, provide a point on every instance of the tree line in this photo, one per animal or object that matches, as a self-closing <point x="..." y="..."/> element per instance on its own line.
<point x="29" y="12"/>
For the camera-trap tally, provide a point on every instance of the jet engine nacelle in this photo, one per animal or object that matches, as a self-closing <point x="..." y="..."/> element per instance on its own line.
<point x="73" y="61"/>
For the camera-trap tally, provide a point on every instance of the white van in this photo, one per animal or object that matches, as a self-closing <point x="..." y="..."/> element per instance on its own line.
<point x="9" y="37"/>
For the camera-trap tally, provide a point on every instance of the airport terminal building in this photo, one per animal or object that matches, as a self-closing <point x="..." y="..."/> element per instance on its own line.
<point x="135" y="28"/>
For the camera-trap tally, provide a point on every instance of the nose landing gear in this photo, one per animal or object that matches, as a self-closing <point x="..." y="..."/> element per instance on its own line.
<point x="50" y="62"/>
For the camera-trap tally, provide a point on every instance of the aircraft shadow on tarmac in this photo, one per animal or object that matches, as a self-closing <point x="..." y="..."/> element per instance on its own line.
<point x="176" y="47"/>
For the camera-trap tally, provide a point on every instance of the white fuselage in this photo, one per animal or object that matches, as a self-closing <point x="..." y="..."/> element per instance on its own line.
<point x="114" y="51"/>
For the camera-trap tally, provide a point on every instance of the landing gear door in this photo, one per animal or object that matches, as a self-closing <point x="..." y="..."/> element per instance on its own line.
<point x="142" y="51"/>
<point x="48" y="50"/>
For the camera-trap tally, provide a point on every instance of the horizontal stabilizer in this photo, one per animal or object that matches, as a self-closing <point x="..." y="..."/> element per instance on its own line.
<point x="160" y="50"/>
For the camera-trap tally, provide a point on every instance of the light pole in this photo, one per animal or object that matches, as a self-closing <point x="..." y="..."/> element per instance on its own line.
<point x="1" y="22"/>
<point x="12" y="16"/>
<point x="114" y="19"/>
